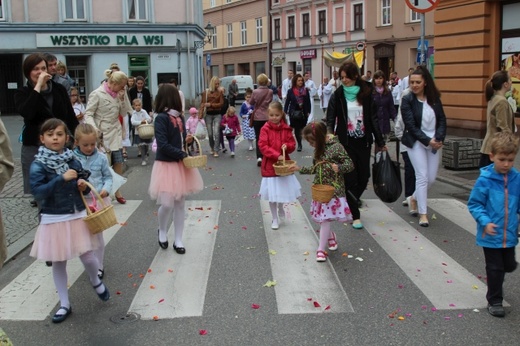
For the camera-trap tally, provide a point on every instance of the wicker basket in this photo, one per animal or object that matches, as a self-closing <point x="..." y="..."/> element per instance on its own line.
<point x="145" y="131"/>
<point x="102" y="219"/>
<point x="195" y="161"/>
<point x="320" y="192"/>
<point x="282" y="168"/>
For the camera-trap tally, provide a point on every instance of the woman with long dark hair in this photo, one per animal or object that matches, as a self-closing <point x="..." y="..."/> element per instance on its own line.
<point x="384" y="102"/>
<point x="298" y="107"/>
<point x="352" y="116"/>
<point x="425" y="130"/>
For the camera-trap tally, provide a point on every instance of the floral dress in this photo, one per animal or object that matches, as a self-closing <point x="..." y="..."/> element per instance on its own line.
<point x="337" y="208"/>
<point x="245" y="111"/>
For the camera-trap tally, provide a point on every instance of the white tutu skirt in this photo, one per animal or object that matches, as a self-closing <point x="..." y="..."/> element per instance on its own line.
<point x="336" y="210"/>
<point x="172" y="181"/>
<point x="280" y="189"/>
<point x="62" y="241"/>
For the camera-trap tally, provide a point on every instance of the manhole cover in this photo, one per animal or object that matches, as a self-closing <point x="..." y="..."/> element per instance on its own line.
<point x="126" y="318"/>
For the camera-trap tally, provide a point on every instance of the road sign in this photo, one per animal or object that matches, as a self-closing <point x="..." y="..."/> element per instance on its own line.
<point x="419" y="45"/>
<point x="208" y="59"/>
<point x="420" y="58"/>
<point x="360" y="46"/>
<point x="422" y="6"/>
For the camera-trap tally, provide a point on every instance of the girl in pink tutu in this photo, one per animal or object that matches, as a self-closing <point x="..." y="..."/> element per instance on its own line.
<point x="57" y="179"/>
<point x="331" y="162"/>
<point x="171" y="181"/>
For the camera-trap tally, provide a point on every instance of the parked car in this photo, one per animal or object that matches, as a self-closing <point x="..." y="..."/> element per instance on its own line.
<point x="243" y="82"/>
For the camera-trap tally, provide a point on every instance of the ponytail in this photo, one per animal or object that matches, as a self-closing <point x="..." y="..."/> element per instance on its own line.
<point x="495" y="83"/>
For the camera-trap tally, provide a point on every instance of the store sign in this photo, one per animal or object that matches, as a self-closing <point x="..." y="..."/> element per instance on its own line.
<point x="308" y="54"/>
<point x="105" y="40"/>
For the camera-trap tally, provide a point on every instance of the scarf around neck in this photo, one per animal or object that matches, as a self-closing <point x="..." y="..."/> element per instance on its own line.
<point x="109" y="91"/>
<point x="300" y="93"/>
<point x="53" y="159"/>
<point x="175" y="118"/>
<point x="351" y="92"/>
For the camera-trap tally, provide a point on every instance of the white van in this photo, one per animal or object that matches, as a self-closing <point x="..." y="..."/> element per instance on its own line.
<point x="243" y="82"/>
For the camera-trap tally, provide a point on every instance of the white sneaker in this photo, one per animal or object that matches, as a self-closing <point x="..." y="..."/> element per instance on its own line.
<point x="232" y="154"/>
<point x="250" y="148"/>
<point x="143" y="163"/>
<point x="405" y="202"/>
<point x="274" y="224"/>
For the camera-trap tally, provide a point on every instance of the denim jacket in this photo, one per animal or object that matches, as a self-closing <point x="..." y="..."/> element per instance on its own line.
<point x="97" y="164"/>
<point x="53" y="194"/>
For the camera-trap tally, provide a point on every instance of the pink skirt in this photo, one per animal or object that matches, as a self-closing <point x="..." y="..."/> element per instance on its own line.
<point x="336" y="210"/>
<point x="62" y="241"/>
<point x="171" y="181"/>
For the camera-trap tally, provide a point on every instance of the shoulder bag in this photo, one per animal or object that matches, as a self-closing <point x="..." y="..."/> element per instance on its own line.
<point x="252" y="116"/>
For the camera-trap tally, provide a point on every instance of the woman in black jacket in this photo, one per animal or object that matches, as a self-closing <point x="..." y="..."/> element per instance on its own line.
<point x="298" y="102"/>
<point x="352" y="116"/>
<point x="40" y="99"/>
<point x="424" y="131"/>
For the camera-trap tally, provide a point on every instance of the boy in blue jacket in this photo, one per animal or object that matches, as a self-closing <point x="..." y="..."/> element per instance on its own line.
<point x="494" y="203"/>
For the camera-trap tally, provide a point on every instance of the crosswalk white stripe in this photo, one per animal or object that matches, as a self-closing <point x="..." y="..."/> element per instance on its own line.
<point x="456" y="211"/>
<point x="442" y="280"/>
<point x="298" y="276"/>
<point x="175" y="285"/>
<point x="31" y="296"/>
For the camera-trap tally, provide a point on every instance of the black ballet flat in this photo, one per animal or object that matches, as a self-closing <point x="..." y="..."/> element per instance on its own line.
<point x="179" y="250"/>
<point x="60" y="318"/>
<point x="163" y="245"/>
<point x="105" y="296"/>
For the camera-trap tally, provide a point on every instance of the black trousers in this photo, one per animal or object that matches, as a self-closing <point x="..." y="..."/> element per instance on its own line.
<point x="409" y="175"/>
<point x="298" y="127"/>
<point x="498" y="262"/>
<point x="257" y="125"/>
<point x="356" y="182"/>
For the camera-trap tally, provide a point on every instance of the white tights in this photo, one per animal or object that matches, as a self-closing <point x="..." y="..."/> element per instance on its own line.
<point x="59" y="273"/>
<point x="164" y="215"/>
<point x="276" y="210"/>
<point x="425" y="163"/>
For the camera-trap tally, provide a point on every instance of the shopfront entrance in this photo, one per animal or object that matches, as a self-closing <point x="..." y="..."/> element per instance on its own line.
<point x="11" y="78"/>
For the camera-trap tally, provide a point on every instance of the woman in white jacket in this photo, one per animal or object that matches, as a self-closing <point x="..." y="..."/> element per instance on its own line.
<point x="104" y="106"/>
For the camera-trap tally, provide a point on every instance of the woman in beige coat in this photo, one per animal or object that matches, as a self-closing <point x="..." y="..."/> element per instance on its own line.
<point x="500" y="115"/>
<point x="104" y="106"/>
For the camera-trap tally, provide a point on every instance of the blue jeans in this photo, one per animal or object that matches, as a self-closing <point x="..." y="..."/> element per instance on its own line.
<point x="213" y="126"/>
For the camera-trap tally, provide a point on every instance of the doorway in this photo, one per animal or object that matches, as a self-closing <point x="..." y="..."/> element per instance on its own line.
<point x="11" y="78"/>
<point x="77" y="70"/>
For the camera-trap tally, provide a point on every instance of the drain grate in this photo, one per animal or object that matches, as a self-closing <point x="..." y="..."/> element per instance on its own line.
<point x="126" y="318"/>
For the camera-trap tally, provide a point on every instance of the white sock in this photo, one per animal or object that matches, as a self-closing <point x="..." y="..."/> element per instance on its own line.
<point x="324" y="235"/>
<point x="100" y="252"/>
<point x="178" y="221"/>
<point x="274" y="211"/>
<point x="91" y="265"/>
<point x="281" y="211"/>
<point x="59" y="274"/>
<point x="164" y="214"/>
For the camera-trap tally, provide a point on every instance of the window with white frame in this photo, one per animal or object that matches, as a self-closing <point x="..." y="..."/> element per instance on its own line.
<point x="290" y="27"/>
<point x="259" y="30"/>
<point x="214" y="38"/>
<point x="137" y="9"/>
<point x="228" y="1"/>
<point x="2" y="15"/>
<point x="276" y="29"/>
<point x="74" y="9"/>
<point x="357" y="11"/>
<point x="230" y="35"/>
<point x="276" y="1"/>
<point x="306" y="25"/>
<point x="322" y="22"/>
<point x="386" y="12"/>
<point x="243" y="33"/>
<point x="415" y="16"/>
<point x="212" y="3"/>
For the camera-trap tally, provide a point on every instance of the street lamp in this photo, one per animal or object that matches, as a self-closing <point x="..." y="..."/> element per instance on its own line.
<point x="320" y="38"/>
<point x="209" y="33"/>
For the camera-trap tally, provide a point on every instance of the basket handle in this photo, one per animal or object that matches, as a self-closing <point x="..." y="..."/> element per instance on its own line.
<point x="319" y="173"/>
<point x="198" y="144"/>
<point x="93" y="190"/>
<point x="283" y="155"/>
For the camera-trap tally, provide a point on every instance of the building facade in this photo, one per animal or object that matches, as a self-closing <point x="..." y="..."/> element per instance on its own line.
<point x="151" y="38"/>
<point x="473" y="39"/>
<point x="239" y="44"/>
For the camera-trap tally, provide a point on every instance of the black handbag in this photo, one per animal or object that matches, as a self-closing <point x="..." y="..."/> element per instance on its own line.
<point x="386" y="178"/>
<point x="296" y="115"/>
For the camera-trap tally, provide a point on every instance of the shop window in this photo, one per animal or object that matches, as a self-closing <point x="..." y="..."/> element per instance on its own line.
<point x="137" y="9"/>
<point x="243" y="33"/>
<point x="259" y="30"/>
<point x="510" y="49"/>
<point x="386" y="12"/>
<point x="277" y="29"/>
<point x="307" y="66"/>
<point x="230" y="70"/>
<point x="139" y="65"/>
<point x="358" y="17"/>
<point x="259" y="68"/>
<point x="306" y="25"/>
<point x="74" y="9"/>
